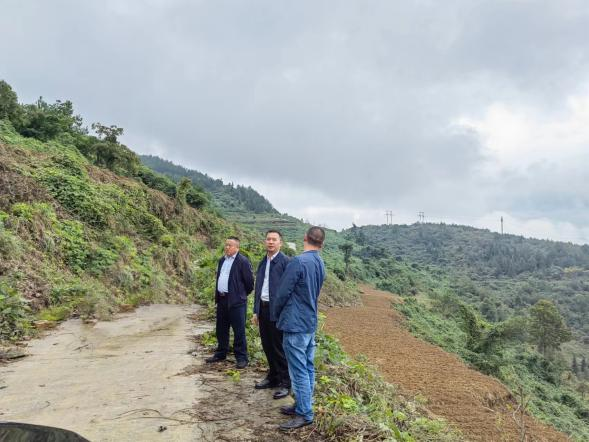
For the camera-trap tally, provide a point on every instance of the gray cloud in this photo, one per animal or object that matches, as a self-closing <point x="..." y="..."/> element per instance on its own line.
<point x="357" y="99"/>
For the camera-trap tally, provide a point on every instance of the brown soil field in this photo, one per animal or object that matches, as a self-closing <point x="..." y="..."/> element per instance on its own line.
<point x="479" y="405"/>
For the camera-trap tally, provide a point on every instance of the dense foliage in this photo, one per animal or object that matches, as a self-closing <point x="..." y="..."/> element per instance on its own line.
<point x="228" y="197"/>
<point x="499" y="274"/>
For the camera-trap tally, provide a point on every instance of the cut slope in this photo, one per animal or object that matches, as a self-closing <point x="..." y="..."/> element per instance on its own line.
<point x="477" y="404"/>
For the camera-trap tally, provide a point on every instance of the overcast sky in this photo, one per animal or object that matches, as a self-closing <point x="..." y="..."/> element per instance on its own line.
<point x="336" y="110"/>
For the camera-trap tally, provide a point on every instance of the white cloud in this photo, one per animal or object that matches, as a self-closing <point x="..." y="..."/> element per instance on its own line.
<point x="461" y="109"/>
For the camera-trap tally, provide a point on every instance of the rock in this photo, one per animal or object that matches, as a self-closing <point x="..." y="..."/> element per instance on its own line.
<point x="11" y="353"/>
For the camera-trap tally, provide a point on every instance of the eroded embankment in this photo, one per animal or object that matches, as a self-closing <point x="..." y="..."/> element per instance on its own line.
<point x="480" y="406"/>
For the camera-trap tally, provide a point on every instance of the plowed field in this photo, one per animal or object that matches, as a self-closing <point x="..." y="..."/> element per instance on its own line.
<point x="480" y="406"/>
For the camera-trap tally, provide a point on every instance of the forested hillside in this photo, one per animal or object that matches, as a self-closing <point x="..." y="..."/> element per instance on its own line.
<point x="512" y="307"/>
<point x="229" y="198"/>
<point x="500" y="274"/>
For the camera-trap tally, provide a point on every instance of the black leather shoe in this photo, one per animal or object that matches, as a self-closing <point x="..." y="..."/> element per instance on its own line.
<point x="280" y="393"/>
<point x="264" y="383"/>
<point x="289" y="410"/>
<point x="240" y="365"/>
<point x="293" y="424"/>
<point x="213" y="359"/>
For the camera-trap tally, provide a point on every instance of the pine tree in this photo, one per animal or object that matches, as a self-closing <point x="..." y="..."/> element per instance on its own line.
<point x="574" y="366"/>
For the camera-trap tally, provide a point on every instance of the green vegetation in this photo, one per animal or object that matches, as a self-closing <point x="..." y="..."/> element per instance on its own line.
<point x="504" y="351"/>
<point x="81" y="230"/>
<point x="498" y="274"/>
<point x="229" y="198"/>
<point x="86" y="229"/>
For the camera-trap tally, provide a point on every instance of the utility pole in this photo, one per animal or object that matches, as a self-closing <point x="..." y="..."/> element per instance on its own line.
<point x="501" y="224"/>
<point x="389" y="215"/>
<point x="421" y="217"/>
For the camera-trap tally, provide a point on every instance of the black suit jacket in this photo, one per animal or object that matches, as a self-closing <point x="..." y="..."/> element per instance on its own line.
<point x="277" y="266"/>
<point x="241" y="280"/>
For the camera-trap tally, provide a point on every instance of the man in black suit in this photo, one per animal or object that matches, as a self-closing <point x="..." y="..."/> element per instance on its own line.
<point x="235" y="280"/>
<point x="268" y="276"/>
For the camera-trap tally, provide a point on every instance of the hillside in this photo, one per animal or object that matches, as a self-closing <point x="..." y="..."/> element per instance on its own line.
<point x="500" y="274"/>
<point x="80" y="239"/>
<point x="229" y="198"/>
<point x="87" y="231"/>
<point x="461" y="293"/>
<point x="498" y="277"/>
<point x="479" y="405"/>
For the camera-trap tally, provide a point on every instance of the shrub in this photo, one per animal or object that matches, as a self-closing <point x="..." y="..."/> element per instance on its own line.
<point x="14" y="313"/>
<point x="78" y="196"/>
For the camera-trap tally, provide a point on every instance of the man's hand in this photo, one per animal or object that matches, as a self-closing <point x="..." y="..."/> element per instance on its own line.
<point x="254" y="320"/>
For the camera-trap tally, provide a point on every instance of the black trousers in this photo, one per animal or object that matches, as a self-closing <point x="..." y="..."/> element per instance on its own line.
<point x="272" y="345"/>
<point x="234" y="317"/>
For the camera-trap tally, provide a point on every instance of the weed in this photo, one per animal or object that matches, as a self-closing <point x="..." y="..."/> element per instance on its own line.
<point x="14" y="313"/>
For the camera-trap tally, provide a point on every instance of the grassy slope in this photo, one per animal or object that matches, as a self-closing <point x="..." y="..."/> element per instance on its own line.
<point x="78" y="239"/>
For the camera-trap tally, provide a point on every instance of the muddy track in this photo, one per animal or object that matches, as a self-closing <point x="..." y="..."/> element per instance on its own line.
<point x="480" y="406"/>
<point x="140" y="377"/>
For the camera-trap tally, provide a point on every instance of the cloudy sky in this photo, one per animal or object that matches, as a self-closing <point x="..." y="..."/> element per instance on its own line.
<point x="336" y="110"/>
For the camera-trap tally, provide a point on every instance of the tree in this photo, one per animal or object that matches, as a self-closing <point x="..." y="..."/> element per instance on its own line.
<point x="347" y="249"/>
<point x="181" y="191"/>
<point x="547" y="327"/>
<point x="45" y="121"/>
<point x="9" y="107"/>
<point x="574" y="366"/>
<point x="583" y="388"/>
<point x="107" y="133"/>
<point x="583" y="364"/>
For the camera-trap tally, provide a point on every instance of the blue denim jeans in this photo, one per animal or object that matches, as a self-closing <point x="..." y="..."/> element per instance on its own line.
<point x="299" y="349"/>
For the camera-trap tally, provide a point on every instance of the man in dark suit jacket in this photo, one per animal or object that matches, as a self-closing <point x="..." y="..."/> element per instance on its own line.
<point x="235" y="280"/>
<point x="268" y="276"/>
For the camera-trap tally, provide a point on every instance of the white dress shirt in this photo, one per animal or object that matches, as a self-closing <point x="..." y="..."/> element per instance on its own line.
<point x="265" y="295"/>
<point x="223" y="283"/>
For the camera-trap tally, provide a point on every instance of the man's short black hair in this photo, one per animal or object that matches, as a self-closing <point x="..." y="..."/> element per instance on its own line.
<point x="275" y="231"/>
<point x="234" y="238"/>
<point x="316" y="236"/>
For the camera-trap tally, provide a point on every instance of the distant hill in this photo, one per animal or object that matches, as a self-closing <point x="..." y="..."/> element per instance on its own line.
<point x="229" y="198"/>
<point x="497" y="273"/>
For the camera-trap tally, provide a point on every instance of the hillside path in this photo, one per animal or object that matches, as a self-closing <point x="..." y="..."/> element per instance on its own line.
<point x="475" y="403"/>
<point x="140" y="377"/>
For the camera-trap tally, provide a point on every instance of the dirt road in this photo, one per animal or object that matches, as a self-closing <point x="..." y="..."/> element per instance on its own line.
<point x="477" y="404"/>
<point x="136" y="379"/>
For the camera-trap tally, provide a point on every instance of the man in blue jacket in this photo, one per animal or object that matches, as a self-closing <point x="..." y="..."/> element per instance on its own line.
<point x="295" y="306"/>
<point x="270" y="270"/>
<point x="235" y="280"/>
